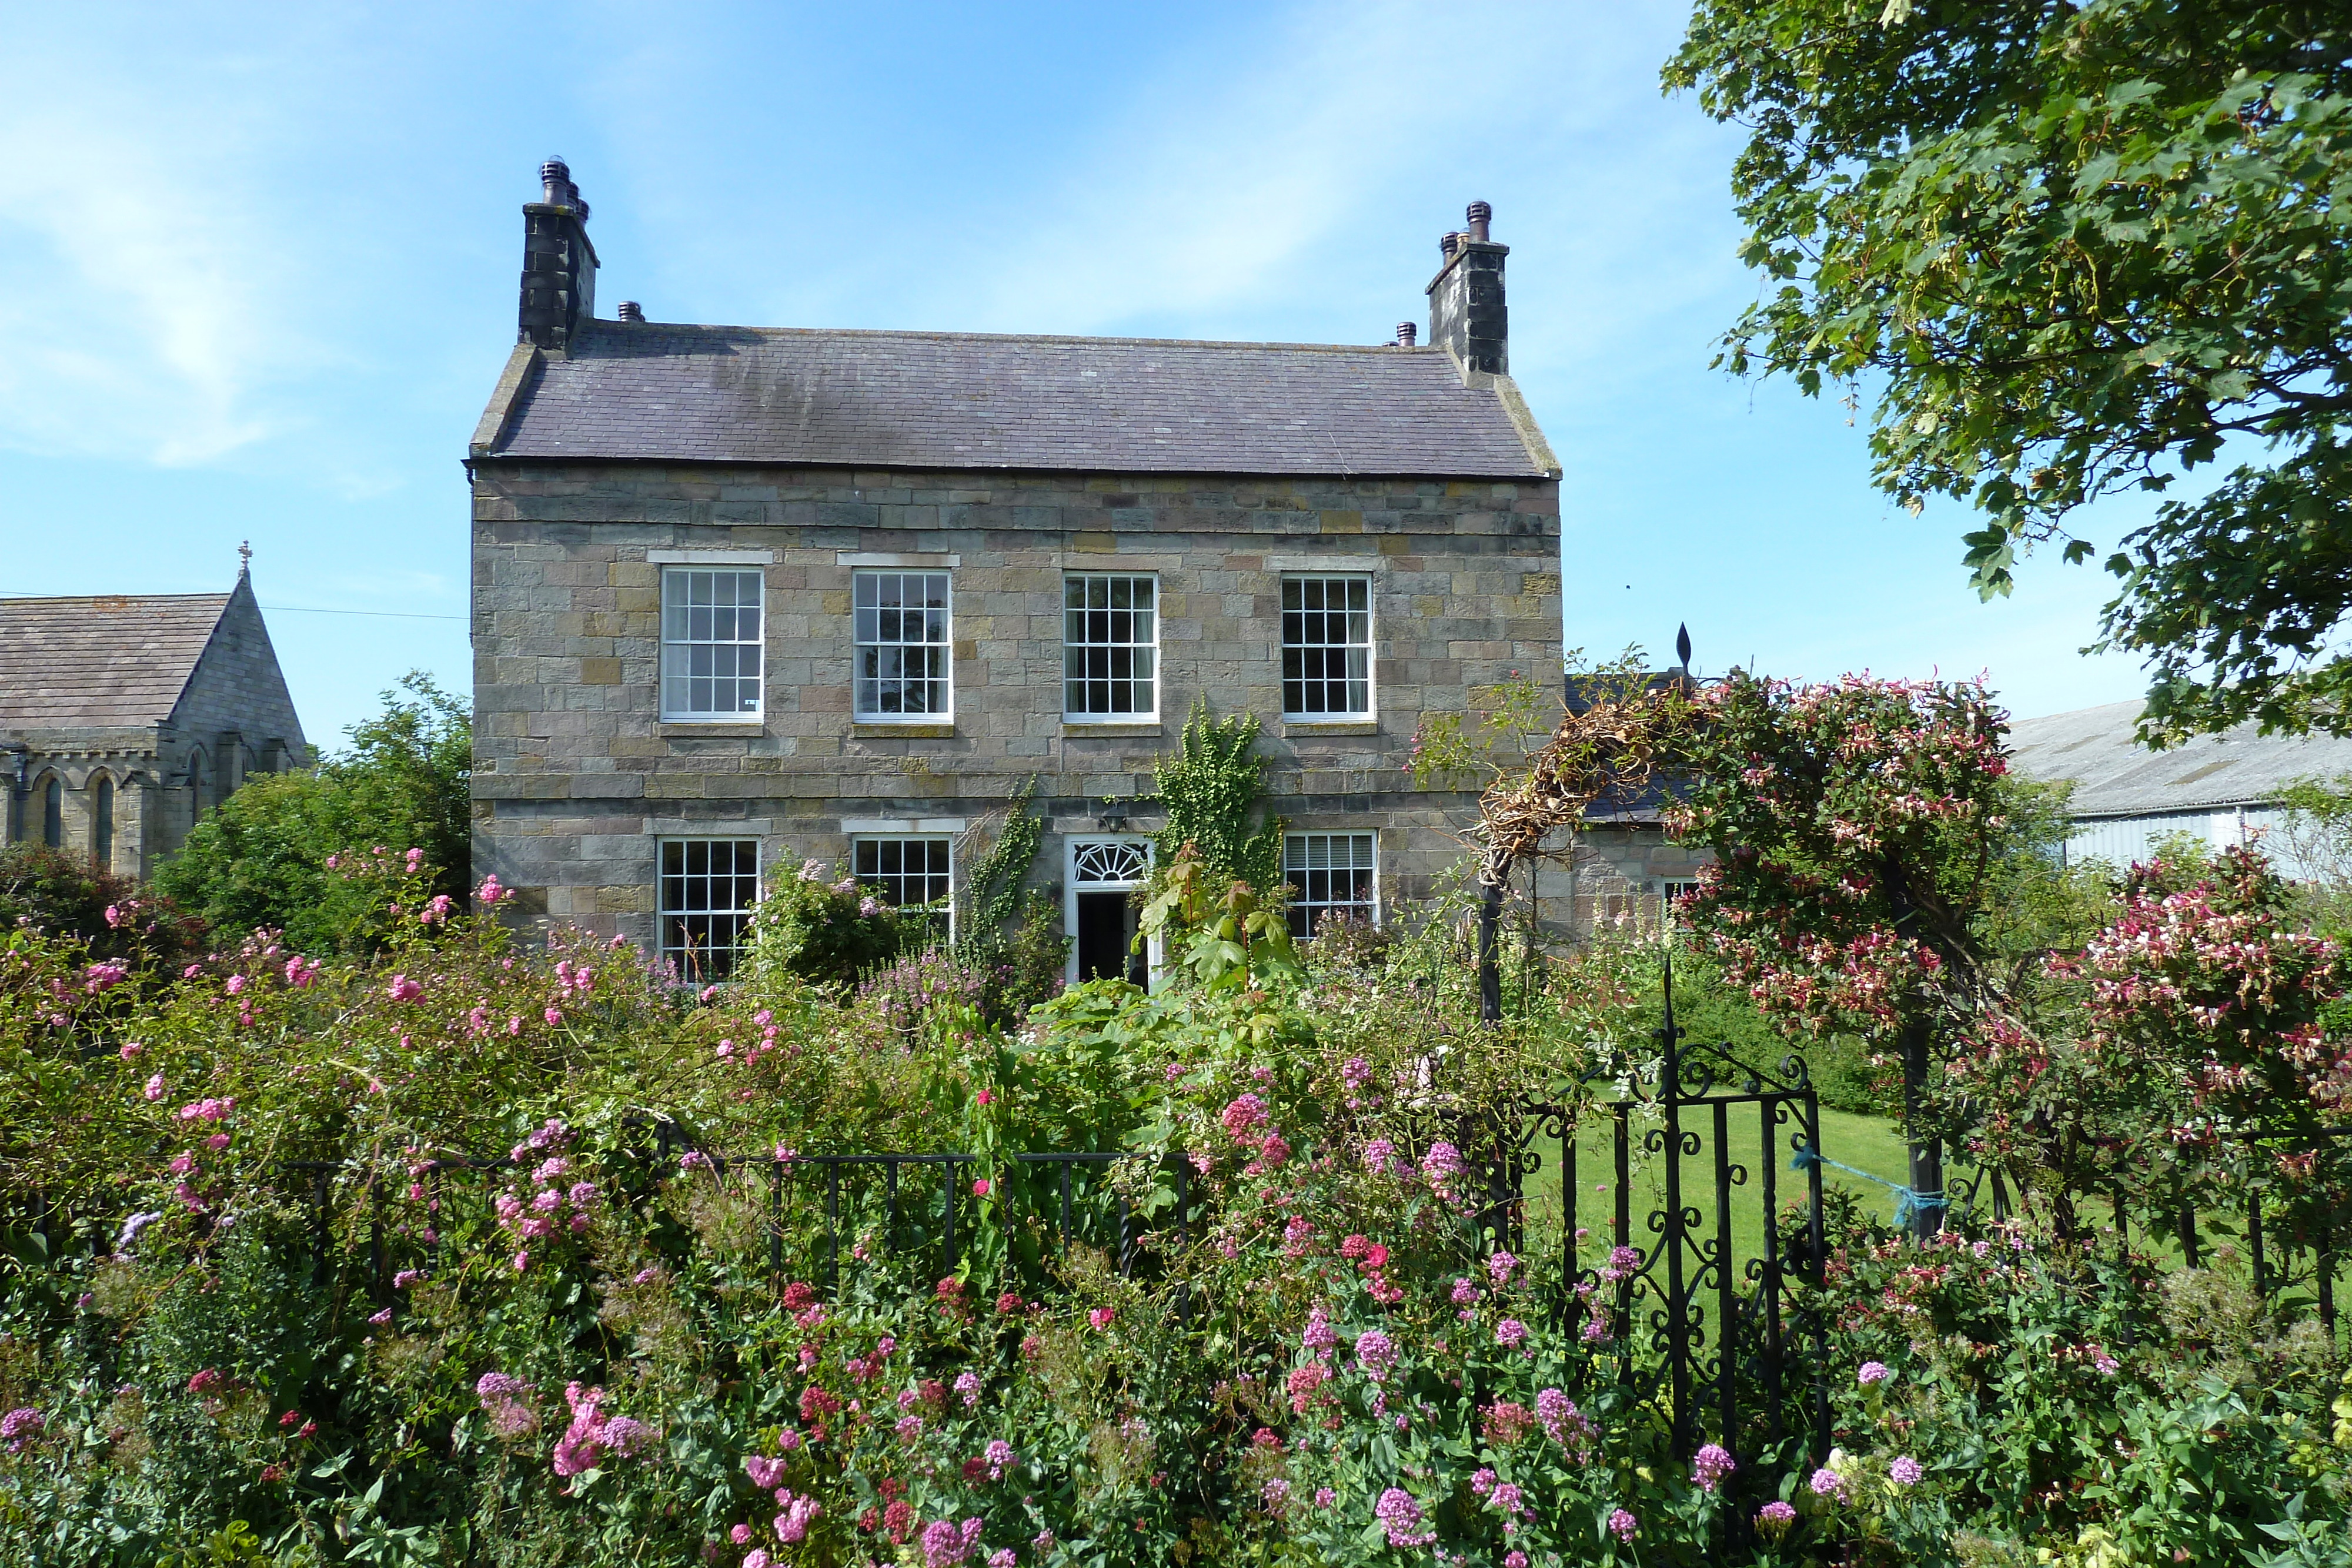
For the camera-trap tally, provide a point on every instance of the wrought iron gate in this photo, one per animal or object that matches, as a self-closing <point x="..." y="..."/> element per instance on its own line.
<point x="1725" y="1347"/>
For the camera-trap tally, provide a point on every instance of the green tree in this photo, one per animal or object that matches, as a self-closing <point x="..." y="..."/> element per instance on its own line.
<point x="2077" y="248"/>
<point x="261" y="858"/>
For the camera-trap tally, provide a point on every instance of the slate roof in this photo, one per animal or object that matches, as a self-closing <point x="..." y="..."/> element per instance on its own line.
<point x="2116" y="777"/>
<point x="112" y="659"/>
<point x="968" y="399"/>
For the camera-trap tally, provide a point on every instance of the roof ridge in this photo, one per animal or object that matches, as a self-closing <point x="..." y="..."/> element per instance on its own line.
<point x="944" y="334"/>
<point x="111" y="597"/>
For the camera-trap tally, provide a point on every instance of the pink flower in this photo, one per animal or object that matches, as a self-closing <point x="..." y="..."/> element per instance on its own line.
<point x="1710" y="1465"/>
<point x="1773" y="1520"/>
<point x="1102" y="1317"/>
<point x="1318" y="1337"/>
<point x="1623" y="1525"/>
<point x="1242" y="1116"/>
<point x="791" y="1525"/>
<point x="1827" y="1483"/>
<point x="1509" y="1332"/>
<point x="1399" y="1512"/>
<point x="980" y="1187"/>
<point x="21" y="1424"/>
<point x="985" y="1097"/>
<point x="489" y="892"/>
<point x="1376" y="1354"/>
<point x="1906" y="1471"/>
<point x="1499" y="1267"/>
<point x="236" y="983"/>
<point x="967" y="1385"/>
<point x="1871" y="1372"/>
<point x="154" y="1090"/>
<point x="403" y="989"/>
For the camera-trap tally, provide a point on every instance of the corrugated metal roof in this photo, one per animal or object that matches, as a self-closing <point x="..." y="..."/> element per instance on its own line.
<point x="2114" y="775"/>
<point x="963" y="399"/>
<point x="110" y="659"/>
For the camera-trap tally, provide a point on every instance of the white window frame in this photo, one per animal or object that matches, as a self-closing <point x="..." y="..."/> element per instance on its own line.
<point x="859" y="644"/>
<point x="674" y="650"/>
<point x="1299" y="846"/>
<point x="1369" y="645"/>
<point x="1150" y="649"/>
<point x="668" y="910"/>
<point x="1074" y="849"/>
<point x="859" y="841"/>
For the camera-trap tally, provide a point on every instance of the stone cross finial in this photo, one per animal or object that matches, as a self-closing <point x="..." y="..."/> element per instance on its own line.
<point x="244" y="558"/>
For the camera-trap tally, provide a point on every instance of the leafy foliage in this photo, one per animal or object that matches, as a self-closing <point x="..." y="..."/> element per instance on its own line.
<point x="260" y="860"/>
<point x="2077" y="249"/>
<point x="1855" y="825"/>
<point x="49" y="890"/>
<point x="579" y="1346"/>
<point x="1210" y="790"/>
<point x="828" y="930"/>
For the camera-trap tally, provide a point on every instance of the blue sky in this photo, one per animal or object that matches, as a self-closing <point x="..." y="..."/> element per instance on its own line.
<point x="258" y="274"/>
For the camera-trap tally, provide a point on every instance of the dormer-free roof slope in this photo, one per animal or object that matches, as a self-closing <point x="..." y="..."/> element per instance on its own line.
<point x="624" y="389"/>
<point x="108" y="658"/>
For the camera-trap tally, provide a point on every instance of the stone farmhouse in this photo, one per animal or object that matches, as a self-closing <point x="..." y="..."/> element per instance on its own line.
<point x="746" y="596"/>
<point x="123" y="718"/>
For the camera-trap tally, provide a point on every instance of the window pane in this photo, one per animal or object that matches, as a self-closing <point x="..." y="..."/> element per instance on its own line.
<point x="906" y="872"/>
<point x="900" y="627"/>
<point x="1331" y="876"/>
<point x="710" y="643"/>
<point x="1327" y="635"/>
<point x="708" y="889"/>
<point x="1107" y="646"/>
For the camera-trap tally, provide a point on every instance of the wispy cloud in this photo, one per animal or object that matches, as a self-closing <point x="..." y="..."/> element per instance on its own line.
<point x="151" y="295"/>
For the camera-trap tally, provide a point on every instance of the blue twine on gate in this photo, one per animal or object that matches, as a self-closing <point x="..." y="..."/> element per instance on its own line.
<point x="1908" y="1201"/>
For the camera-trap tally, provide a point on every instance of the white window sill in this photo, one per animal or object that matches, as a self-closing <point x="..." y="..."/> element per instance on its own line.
<point x="1309" y="720"/>
<point x="715" y="720"/>
<point x="880" y="720"/>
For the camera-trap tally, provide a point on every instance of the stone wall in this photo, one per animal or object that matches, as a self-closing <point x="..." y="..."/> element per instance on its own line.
<point x="576" y="775"/>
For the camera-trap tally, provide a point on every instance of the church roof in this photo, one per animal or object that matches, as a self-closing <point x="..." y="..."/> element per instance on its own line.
<point x="2114" y="775"/>
<point x="969" y="399"/>
<point x="107" y="659"/>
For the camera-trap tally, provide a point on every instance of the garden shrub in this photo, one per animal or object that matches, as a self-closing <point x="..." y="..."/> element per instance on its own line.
<point x="49" y="890"/>
<point x="583" y="1349"/>
<point x="260" y="859"/>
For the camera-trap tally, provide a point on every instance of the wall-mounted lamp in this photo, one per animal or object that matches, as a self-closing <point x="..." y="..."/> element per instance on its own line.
<point x="1112" y="818"/>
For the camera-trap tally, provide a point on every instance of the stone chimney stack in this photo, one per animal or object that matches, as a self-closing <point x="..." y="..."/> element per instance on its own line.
<point x="1465" y="298"/>
<point x="558" y="264"/>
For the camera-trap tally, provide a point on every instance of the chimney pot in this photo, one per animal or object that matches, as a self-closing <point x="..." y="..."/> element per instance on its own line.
<point x="559" y="268"/>
<point x="631" y="311"/>
<point x="1408" y="333"/>
<point x="1466" y="313"/>
<point x="1447" y="243"/>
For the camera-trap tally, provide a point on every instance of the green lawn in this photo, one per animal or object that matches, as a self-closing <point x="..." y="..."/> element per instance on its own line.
<point x="1867" y="1142"/>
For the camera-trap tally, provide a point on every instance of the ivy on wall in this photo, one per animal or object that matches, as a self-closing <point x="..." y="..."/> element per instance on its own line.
<point x="1209" y="788"/>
